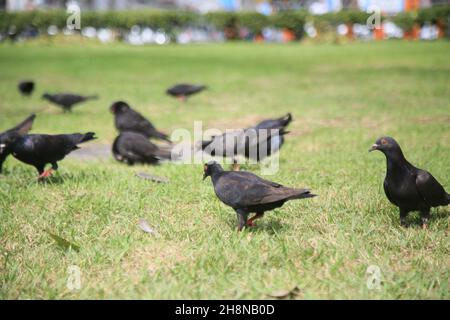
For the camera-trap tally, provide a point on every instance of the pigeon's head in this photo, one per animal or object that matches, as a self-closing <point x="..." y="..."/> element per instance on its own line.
<point x="8" y="138"/>
<point x="210" y="168"/>
<point x="119" y="107"/>
<point x="386" y="145"/>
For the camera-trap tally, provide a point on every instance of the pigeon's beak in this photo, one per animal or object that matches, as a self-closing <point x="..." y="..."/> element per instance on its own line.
<point x="374" y="147"/>
<point x="2" y="148"/>
<point x="204" y="176"/>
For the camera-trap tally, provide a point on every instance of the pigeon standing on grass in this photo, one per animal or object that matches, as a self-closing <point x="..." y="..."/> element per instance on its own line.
<point x="245" y="192"/>
<point x="408" y="187"/>
<point x="7" y="137"/>
<point x="39" y="150"/>
<point x="126" y="119"/>
<point x="67" y="100"/>
<point x="182" y="91"/>
<point x="26" y="87"/>
<point x="255" y="143"/>
<point x="132" y="147"/>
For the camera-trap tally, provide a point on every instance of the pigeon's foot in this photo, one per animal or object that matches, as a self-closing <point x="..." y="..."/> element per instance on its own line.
<point x="250" y="223"/>
<point x="182" y="98"/>
<point x="44" y="175"/>
<point x="425" y="226"/>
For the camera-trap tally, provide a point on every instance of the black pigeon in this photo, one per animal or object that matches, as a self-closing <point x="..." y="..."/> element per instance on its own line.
<point x="7" y="137"/>
<point x="408" y="187"/>
<point x="183" y="90"/>
<point x="39" y="150"/>
<point x="245" y="192"/>
<point x="67" y="100"/>
<point x="132" y="147"/>
<point x="126" y="119"/>
<point x="256" y="142"/>
<point x="26" y="87"/>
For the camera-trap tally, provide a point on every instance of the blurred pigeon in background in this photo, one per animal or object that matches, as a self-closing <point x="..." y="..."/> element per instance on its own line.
<point x="126" y="119"/>
<point x="255" y="143"/>
<point x="183" y="90"/>
<point x="26" y="87"/>
<point x="67" y="100"/>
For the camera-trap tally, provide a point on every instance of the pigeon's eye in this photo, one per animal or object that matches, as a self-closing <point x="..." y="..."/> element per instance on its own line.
<point x="384" y="142"/>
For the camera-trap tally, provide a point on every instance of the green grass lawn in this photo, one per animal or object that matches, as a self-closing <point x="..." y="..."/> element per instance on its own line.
<point x="342" y="97"/>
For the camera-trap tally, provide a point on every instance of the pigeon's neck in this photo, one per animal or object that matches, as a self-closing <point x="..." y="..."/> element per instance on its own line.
<point x="216" y="174"/>
<point x="396" y="163"/>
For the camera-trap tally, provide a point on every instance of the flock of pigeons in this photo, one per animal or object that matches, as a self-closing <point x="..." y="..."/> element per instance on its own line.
<point x="407" y="187"/>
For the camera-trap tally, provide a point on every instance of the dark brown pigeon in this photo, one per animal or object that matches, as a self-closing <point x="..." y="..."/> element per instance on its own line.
<point x="39" y="150"/>
<point x="129" y="120"/>
<point x="245" y="192"/>
<point x="408" y="187"/>
<point x="66" y="100"/>
<point x="7" y="137"/>
<point x="132" y="147"/>
<point x="182" y="91"/>
<point x="26" y="87"/>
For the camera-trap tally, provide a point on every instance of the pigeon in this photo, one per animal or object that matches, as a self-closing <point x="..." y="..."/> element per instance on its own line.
<point x="126" y="119"/>
<point x="26" y="87"/>
<point x="245" y="192"/>
<point x="67" y="100"/>
<point x="7" y="137"/>
<point x="132" y="147"/>
<point x="255" y="143"/>
<point x="39" y="150"/>
<point x="408" y="187"/>
<point x="183" y="90"/>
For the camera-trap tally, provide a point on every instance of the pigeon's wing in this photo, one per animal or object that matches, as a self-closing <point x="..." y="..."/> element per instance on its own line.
<point x="430" y="189"/>
<point x="243" y="189"/>
<point x="388" y="192"/>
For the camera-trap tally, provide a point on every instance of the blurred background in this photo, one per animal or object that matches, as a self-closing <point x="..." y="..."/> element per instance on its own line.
<point x="185" y="21"/>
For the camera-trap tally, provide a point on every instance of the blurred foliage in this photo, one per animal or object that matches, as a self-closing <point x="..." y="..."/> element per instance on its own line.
<point x="291" y="20"/>
<point x="405" y="20"/>
<point x="229" y="22"/>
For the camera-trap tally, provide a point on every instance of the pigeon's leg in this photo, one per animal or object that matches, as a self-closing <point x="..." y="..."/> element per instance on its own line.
<point x="235" y="166"/>
<point x="258" y="215"/>
<point x="47" y="173"/>
<point x="403" y="215"/>
<point x="425" y="215"/>
<point x="242" y="218"/>
<point x="182" y="98"/>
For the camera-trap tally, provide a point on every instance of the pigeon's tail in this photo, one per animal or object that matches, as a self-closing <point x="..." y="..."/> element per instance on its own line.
<point x="166" y="154"/>
<point x="302" y="194"/>
<point x="91" y="97"/>
<point x="205" y="143"/>
<point x="162" y="136"/>
<point x="286" y="119"/>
